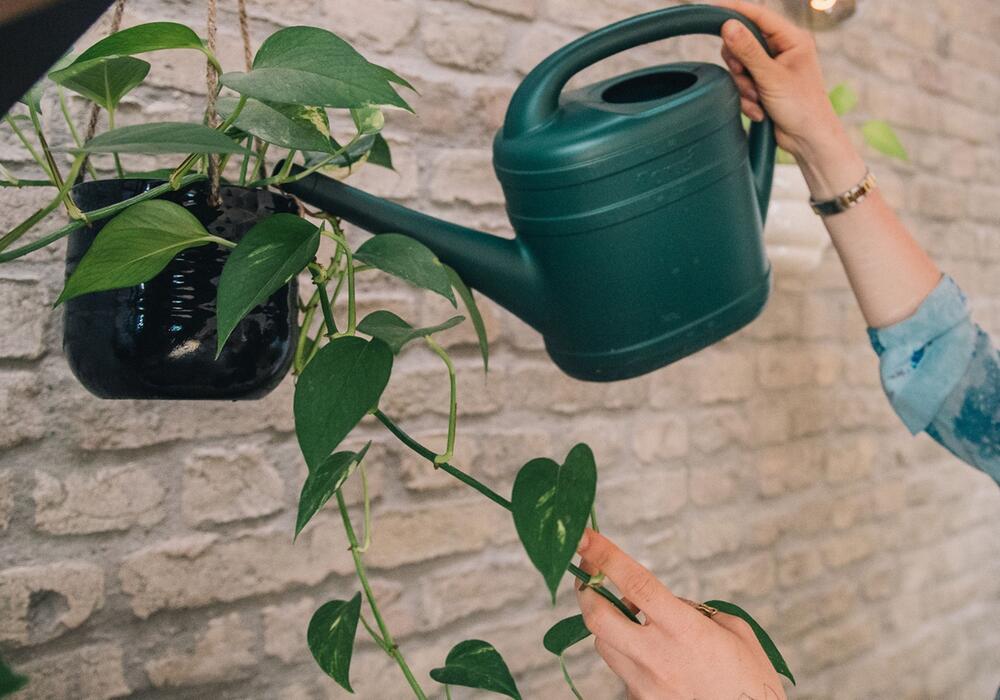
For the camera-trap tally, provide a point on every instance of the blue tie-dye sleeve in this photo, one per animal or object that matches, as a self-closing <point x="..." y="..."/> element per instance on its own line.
<point x="941" y="373"/>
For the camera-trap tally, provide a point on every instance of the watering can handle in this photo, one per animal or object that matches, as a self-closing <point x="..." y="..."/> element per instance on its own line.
<point x="537" y="98"/>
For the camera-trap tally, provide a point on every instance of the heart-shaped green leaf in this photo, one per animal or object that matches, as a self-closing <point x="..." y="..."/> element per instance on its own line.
<point x="10" y="682"/>
<point x="162" y="137"/>
<point x="102" y="80"/>
<point x="550" y="503"/>
<point x="337" y="388"/>
<point x="393" y="77"/>
<point x="33" y="97"/>
<point x="477" y="318"/>
<point x="564" y="634"/>
<point x="407" y="259"/>
<point x="773" y="655"/>
<point x="477" y="664"/>
<point x="288" y="126"/>
<point x="311" y="66"/>
<point x="880" y="136"/>
<point x="135" y="246"/>
<point x="368" y="119"/>
<point x="153" y="36"/>
<point x="843" y="98"/>
<point x="341" y="164"/>
<point x="331" y="638"/>
<point x="324" y="481"/>
<point x="265" y="260"/>
<point x="396" y="332"/>
<point x="379" y="154"/>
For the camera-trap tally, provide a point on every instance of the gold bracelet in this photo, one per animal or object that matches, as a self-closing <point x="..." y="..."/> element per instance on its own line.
<point x="847" y="200"/>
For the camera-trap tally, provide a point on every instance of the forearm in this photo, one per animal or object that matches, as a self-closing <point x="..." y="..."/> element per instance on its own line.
<point x="888" y="271"/>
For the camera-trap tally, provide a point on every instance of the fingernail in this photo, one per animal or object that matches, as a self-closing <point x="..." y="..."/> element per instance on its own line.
<point x="584" y="541"/>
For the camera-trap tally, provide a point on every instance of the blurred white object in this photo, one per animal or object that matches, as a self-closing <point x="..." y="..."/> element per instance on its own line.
<point x="794" y="236"/>
<point x="820" y="15"/>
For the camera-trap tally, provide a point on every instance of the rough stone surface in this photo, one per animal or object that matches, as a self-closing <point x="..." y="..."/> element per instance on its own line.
<point x="113" y="498"/>
<point x="6" y="499"/>
<point x="39" y="603"/>
<point x="146" y="547"/>
<point x="283" y="626"/>
<point x="94" y="671"/>
<point x="21" y="417"/>
<point x="22" y="307"/>
<point x="473" y="43"/>
<point x="223" y="652"/>
<point x="220" y="486"/>
<point x="197" y="570"/>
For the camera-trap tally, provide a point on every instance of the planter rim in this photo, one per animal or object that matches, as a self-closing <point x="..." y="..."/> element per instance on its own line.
<point x="191" y="186"/>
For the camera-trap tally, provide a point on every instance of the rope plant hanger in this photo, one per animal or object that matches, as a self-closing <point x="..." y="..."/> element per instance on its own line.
<point x="212" y="86"/>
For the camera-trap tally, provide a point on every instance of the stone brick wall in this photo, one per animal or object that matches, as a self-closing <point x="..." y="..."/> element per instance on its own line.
<point x="145" y="549"/>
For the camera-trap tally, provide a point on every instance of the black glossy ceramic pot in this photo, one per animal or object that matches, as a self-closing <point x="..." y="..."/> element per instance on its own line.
<point x="157" y="340"/>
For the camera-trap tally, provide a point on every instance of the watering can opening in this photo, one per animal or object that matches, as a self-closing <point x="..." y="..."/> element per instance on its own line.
<point x="649" y="87"/>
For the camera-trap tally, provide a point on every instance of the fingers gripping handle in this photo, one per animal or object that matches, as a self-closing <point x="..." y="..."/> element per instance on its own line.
<point x="537" y="98"/>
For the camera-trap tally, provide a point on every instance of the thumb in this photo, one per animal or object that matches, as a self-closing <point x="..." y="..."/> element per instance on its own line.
<point x="745" y="47"/>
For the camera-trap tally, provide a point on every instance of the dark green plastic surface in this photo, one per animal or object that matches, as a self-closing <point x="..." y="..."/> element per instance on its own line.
<point x="638" y="204"/>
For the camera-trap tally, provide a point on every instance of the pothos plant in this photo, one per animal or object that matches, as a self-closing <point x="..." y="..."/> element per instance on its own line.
<point x="282" y="103"/>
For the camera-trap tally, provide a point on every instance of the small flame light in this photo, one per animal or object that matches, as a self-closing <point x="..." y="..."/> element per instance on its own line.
<point x="823" y="5"/>
<point x="820" y="15"/>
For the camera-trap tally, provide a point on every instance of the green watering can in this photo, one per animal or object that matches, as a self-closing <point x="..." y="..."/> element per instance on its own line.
<point x="637" y="203"/>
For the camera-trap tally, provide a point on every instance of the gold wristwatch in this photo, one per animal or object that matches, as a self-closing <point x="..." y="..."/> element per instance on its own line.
<point x="846" y="200"/>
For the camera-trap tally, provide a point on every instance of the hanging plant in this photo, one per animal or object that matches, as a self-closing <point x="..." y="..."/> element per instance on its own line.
<point x="215" y="214"/>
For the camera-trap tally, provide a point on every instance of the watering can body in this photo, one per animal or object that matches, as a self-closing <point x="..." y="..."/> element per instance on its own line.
<point x="638" y="204"/>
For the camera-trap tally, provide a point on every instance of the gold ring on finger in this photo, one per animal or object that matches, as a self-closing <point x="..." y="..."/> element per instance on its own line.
<point x="706" y="610"/>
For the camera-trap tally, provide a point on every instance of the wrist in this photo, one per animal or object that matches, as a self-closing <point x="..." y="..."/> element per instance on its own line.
<point x="830" y="164"/>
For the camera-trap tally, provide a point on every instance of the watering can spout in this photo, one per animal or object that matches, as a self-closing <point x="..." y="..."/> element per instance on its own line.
<point x="498" y="267"/>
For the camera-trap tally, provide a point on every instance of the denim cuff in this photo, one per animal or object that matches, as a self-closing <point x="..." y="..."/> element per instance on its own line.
<point x="924" y="357"/>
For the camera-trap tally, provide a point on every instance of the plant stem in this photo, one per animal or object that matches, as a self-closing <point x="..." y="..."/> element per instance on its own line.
<point x="72" y="127"/>
<point x="246" y="162"/>
<point x="177" y="176"/>
<point x="593" y="520"/>
<point x="19" y="184"/>
<point x="46" y="151"/>
<point x="96" y="215"/>
<point x="569" y="681"/>
<point x="374" y="635"/>
<point x="111" y="125"/>
<point x="367" y="508"/>
<point x="453" y="406"/>
<point x="496" y="498"/>
<point x="286" y="168"/>
<point x="339" y="237"/>
<point x="324" y="299"/>
<point x="53" y="168"/>
<point x="391" y="646"/>
<point x="260" y="164"/>
<point x="27" y="144"/>
<point x="307" y="319"/>
<point x="27" y="224"/>
<point x="284" y="175"/>
<point x="213" y="60"/>
<point x="235" y="113"/>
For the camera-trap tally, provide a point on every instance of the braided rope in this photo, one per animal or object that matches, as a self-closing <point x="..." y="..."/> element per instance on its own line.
<point x="212" y="83"/>
<point x="258" y="145"/>
<point x="245" y="33"/>
<point x="116" y="24"/>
